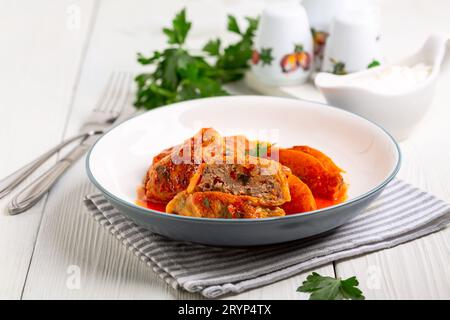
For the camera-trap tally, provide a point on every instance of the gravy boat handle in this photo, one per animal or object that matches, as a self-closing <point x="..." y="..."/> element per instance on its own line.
<point x="439" y="43"/>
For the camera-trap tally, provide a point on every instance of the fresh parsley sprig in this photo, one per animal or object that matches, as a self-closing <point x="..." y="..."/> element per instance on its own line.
<point x="328" y="288"/>
<point x="233" y="60"/>
<point x="179" y="75"/>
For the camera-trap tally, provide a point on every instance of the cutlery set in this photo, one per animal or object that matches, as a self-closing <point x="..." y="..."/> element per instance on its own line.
<point x="109" y="110"/>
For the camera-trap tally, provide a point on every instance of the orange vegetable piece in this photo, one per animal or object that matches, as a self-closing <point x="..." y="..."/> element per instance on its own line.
<point x="315" y="169"/>
<point x="323" y="158"/>
<point x="302" y="199"/>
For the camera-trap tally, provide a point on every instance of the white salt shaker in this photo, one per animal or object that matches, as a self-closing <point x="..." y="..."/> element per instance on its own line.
<point x="283" y="51"/>
<point x="321" y="14"/>
<point x="353" y="44"/>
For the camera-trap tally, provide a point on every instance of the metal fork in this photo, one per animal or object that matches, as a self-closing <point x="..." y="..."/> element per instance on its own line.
<point x="107" y="111"/>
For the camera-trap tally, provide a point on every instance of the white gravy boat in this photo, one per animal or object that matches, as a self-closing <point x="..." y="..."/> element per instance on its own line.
<point x="398" y="113"/>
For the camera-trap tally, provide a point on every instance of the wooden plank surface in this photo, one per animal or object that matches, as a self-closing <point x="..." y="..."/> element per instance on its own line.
<point x="42" y="46"/>
<point x="68" y="243"/>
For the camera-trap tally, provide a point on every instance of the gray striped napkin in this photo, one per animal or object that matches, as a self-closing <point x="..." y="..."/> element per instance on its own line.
<point x="402" y="213"/>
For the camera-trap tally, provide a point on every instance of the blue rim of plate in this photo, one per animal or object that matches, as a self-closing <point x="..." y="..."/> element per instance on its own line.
<point x="348" y="203"/>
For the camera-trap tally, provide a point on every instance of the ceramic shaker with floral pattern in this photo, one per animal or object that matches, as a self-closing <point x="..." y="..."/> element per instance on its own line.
<point x="283" y="50"/>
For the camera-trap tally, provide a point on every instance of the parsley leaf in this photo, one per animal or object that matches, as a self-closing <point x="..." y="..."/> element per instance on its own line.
<point x="252" y="26"/>
<point x="200" y="88"/>
<point x="212" y="47"/>
<point x="144" y="61"/>
<point x="233" y="25"/>
<point x="328" y="288"/>
<point x="180" y="29"/>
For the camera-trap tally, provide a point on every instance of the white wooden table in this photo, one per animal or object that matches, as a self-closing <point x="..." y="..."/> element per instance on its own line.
<point x="55" y="57"/>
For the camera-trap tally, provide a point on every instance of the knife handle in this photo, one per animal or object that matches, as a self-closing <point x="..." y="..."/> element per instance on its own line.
<point x="31" y="194"/>
<point x="10" y="182"/>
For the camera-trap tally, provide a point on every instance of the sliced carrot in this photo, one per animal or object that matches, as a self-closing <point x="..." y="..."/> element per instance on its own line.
<point x="324" y="182"/>
<point x="302" y="199"/>
<point x="323" y="158"/>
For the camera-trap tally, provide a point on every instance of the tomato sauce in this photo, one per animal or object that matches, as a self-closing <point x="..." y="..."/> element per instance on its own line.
<point x="324" y="203"/>
<point x="142" y="201"/>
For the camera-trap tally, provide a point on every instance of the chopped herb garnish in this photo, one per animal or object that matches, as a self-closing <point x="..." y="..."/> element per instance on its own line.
<point x="373" y="64"/>
<point x="261" y="149"/>
<point x="243" y="178"/>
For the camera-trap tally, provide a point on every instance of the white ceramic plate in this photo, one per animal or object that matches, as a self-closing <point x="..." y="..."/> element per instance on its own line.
<point x="371" y="158"/>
